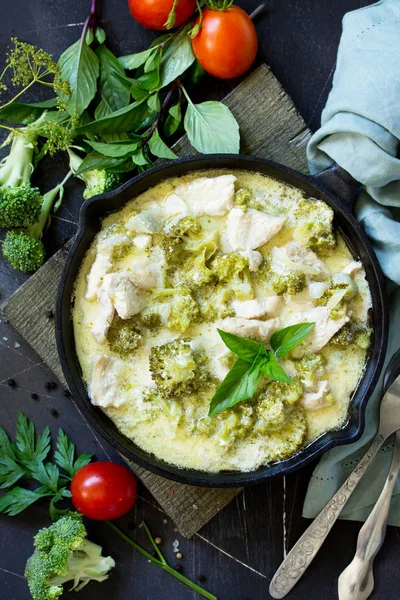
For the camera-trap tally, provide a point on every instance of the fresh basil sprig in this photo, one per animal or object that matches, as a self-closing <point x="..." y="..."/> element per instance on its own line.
<point x="254" y="360"/>
<point x="27" y="459"/>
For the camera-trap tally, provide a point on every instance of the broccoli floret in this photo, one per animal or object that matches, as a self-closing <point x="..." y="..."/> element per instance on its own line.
<point x="151" y="318"/>
<point x="195" y="271"/>
<point x="214" y="303"/>
<point x="292" y="283"/>
<point x="177" y="308"/>
<point x="24" y="249"/>
<point x="314" y="226"/>
<point x="233" y="270"/>
<point x="124" y="337"/>
<point x="341" y="287"/>
<point x="98" y="181"/>
<point x="62" y="554"/>
<point x="309" y="368"/>
<point x="354" y="332"/>
<point x="289" y="438"/>
<point x="243" y="197"/>
<point x="173" y="240"/>
<point x="20" y="206"/>
<point x="173" y="367"/>
<point x="275" y="403"/>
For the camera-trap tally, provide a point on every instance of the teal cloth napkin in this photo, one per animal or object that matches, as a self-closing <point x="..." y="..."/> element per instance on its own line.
<point x="360" y="130"/>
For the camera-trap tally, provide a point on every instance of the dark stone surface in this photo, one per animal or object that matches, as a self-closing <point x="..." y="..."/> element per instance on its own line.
<point x="239" y="550"/>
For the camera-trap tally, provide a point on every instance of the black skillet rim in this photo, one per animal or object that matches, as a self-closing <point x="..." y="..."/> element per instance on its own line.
<point x="104" y="426"/>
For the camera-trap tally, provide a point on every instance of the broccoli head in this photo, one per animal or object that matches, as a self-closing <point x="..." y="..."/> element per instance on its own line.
<point x="62" y="554"/>
<point x="274" y="404"/>
<point x="233" y="270"/>
<point x="214" y="303"/>
<point x="124" y="337"/>
<point x="173" y="240"/>
<point x="19" y="206"/>
<point x="16" y="169"/>
<point x="177" y="308"/>
<point x="352" y="333"/>
<point x="243" y="197"/>
<point x="173" y="367"/>
<point x="291" y="283"/>
<point x="341" y="287"/>
<point x="314" y="226"/>
<point x="98" y="181"/>
<point x="310" y="368"/>
<point x="23" y="251"/>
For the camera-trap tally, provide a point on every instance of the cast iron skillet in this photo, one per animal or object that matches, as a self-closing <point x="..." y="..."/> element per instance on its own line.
<point x="338" y="189"/>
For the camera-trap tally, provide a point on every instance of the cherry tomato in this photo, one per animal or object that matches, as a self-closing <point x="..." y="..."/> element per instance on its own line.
<point x="227" y="43"/>
<point x="154" y="13"/>
<point x="103" y="490"/>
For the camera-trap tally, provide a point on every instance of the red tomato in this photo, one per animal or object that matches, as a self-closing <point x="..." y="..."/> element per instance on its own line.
<point x="103" y="490"/>
<point x="154" y="13"/>
<point x="227" y="43"/>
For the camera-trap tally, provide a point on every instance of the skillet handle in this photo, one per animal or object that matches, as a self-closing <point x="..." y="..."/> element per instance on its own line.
<point x="339" y="182"/>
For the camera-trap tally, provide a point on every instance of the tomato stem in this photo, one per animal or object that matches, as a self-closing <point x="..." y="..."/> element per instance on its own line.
<point x="257" y="11"/>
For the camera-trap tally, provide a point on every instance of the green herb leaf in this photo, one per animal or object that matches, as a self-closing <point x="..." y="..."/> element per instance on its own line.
<point x="243" y="347"/>
<point x="95" y="160"/>
<point x="113" y="91"/>
<point x="115" y="149"/>
<point x="211" y="127"/>
<point x="133" y="61"/>
<point x="153" y="62"/>
<point x="46" y="473"/>
<point x="25" y="438"/>
<point x="241" y="381"/>
<point x="10" y="471"/>
<point x="139" y="159"/>
<point x="154" y="102"/>
<point x="65" y="455"/>
<point x="80" y="67"/>
<point x="100" y="35"/>
<point x="284" y="340"/>
<point x="18" y="499"/>
<point x="159" y="148"/>
<point x="23" y="114"/>
<point x="177" y="57"/>
<point x="272" y="369"/>
<point x="129" y="118"/>
<point x="149" y="81"/>
<point x="7" y="448"/>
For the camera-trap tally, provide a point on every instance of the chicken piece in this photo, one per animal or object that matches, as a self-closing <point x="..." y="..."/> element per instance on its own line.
<point x="106" y="314"/>
<point x="316" y="289"/>
<point x="208" y="195"/>
<point x="324" y="329"/>
<point x="108" y="378"/>
<point x="100" y="267"/>
<point x="103" y="261"/>
<point x="319" y="399"/>
<point x="255" y="259"/>
<point x="251" y="229"/>
<point x="352" y="268"/>
<point x="254" y="309"/>
<point x="142" y="241"/>
<point x="124" y="295"/>
<point x="174" y="205"/>
<point x="250" y="328"/>
<point x="147" y="221"/>
<point x="295" y="258"/>
<point x="146" y="273"/>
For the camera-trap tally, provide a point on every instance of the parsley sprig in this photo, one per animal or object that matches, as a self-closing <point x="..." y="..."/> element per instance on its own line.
<point x="254" y="361"/>
<point x="26" y="460"/>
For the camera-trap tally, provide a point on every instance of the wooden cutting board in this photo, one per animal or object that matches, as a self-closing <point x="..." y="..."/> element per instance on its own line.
<point x="270" y="128"/>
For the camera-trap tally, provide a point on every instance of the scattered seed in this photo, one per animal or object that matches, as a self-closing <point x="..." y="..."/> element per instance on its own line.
<point x="179" y="568"/>
<point x="5" y="339"/>
<point x="165" y="521"/>
<point x="158" y="540"/>
<point x="202" y="578"/>
<point x="34" y="396"/>
<point x="17" y="345"/>
<point x="54" y="412"/>
<point x="49" y="315"/>
<point x="12" y="383"/>
<point x="50" y="385"/>
<point x="179" y="556"/>
<point x="171" y="492"/>
<point x="195" y="507"/>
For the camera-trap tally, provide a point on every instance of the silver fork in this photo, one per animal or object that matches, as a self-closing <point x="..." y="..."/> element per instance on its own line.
<point x="303" y="552"/>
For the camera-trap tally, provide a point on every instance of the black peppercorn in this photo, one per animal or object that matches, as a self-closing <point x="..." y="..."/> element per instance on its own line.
<point x="67" y="393"/>
<point x="53" y="412"/>
<point x="49" y="315"/>
<point x="50" y="385"/>
<point x="202" y="578"/>
<point x="34" y="396"/>
<point x="12" y="383"/>
<point x="179" y="568"/>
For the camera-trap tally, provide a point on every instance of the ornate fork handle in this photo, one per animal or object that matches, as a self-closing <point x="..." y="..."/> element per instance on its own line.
<point x="303" y="552"/>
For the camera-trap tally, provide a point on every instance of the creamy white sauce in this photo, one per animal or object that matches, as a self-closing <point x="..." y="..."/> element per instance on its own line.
<point x="160" y="435"/>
